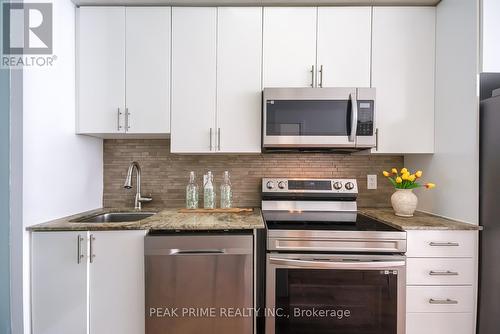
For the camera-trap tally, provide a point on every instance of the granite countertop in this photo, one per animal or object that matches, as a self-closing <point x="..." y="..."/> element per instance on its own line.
<point x="165" y="219"/>
<point x="172" y="219"/>
<point x="420" y="221"/>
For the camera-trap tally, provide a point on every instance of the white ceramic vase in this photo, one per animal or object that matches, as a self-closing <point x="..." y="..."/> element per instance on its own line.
<point x="404" y="202"/>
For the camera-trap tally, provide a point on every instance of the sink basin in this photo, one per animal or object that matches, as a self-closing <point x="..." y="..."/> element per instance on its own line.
<point x="115" y="217"/>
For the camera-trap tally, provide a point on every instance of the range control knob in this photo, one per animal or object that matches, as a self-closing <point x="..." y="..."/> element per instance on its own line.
<point x="349" y="186"/>
<point x="337" y="185"/>
<point x="282" y="185"/>
<point x="270" y="184"/>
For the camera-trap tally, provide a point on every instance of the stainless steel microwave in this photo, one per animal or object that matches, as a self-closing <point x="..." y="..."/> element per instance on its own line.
<point x="318" y="118"/>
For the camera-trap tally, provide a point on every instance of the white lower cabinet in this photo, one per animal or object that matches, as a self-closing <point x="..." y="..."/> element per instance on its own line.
<point x="88" y="282"/>
<point x="437" y="271"/>
<point x="450" y="299"/>
<point x="440" y="323"/>
<point x="117" y="282"/>
<point x="441" y="282"/>
<point x="58" y="283"/>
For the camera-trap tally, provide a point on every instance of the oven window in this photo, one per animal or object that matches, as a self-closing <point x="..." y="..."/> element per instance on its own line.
<point x="325" y="301"/>
<point x="308" y="118"/>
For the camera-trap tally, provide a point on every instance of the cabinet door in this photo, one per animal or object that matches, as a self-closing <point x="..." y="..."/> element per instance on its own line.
<point x="239" y="83"/>
<point x="59" y="283"/>
<point x="148" y="69"/>
<point x="289" y="46"/>
<point x="403" y="74"/>
<point x="101" y="70"/>
<point x="490" y="32"/>
<point x="344" y="46"/>
<point x="194" y="42"/>
<point x="440" y="323"/>
<point x="117" y="282"/>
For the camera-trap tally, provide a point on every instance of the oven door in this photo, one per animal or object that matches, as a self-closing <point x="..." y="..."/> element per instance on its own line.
<point x="331" y="294"/>
<point x="309" y="117"/>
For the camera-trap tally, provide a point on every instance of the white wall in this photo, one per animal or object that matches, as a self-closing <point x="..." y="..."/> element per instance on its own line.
<point x="491" y="35"/>
<point x="62" y="172"/>
<point x="455" y="165"/>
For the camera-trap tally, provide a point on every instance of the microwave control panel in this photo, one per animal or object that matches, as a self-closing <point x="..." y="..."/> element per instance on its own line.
<point x="366" y="117"/>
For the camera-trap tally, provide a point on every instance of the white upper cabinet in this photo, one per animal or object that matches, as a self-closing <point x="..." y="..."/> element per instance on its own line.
<point x="344" y="46"/>
<point x="123" y="70"/>
<point x="239" y="82"/>
<point x="101" y="70"/>
<point x="289" y="46"/>
<point x="490" y="31"/>
<point x="216" y="80"/>
<point x="148" y="69"/>
<point x="194" y="43"/>
<point x="403" y="73"/>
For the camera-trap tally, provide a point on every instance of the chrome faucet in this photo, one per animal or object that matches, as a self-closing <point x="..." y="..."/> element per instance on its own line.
<point x="128" y="184"/>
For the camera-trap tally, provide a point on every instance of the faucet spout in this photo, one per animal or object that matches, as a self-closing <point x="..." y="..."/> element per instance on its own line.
<point x="128" y="184"/>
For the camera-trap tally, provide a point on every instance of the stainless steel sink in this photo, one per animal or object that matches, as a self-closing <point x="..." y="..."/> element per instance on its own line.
<point x="115" y="217"/>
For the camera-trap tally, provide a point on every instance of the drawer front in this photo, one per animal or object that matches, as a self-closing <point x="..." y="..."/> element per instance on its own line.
<point x="439" y="323"/>
<point x="441" y="243"/>
<point x="440" y="299"/>
<point x="438" y="271"/>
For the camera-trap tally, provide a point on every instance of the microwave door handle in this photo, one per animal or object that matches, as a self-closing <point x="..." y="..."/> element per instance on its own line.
<point x="354" y="117"/>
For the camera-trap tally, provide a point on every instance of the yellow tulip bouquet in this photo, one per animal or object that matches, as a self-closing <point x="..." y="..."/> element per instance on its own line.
<point x="406" y="180"/>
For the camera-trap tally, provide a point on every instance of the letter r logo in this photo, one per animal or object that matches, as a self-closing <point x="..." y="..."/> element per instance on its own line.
<point x="27" y="28"/>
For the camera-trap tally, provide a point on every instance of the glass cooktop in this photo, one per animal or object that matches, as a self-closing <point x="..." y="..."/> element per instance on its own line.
<point x="355" y="222"/>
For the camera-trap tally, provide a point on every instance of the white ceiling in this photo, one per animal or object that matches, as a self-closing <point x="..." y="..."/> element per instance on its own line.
<point x="259" y="2"/>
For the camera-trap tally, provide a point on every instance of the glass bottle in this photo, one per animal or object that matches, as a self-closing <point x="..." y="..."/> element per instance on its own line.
<point x="226" y="194"/>
<point x="192" y="192"/>
<point x="208" y="192"/>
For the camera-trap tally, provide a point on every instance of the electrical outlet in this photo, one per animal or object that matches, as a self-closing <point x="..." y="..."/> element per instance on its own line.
<point x="372" y="181"/>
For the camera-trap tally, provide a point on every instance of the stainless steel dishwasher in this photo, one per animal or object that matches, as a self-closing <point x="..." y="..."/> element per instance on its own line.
<point x="199" y="283"/>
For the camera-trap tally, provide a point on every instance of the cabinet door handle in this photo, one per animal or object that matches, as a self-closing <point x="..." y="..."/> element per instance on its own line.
<point x="119" y="114"/>
<point x="321" y="76"/>
<point x="79" y="255"/>
<point x="218" y="139"/>
<point x="444" y="244"/>
<point x="443" y="301"/>
<point x="312" y="76"/>
<point x="211" y="139"/>
<point x="443" y="273"/>
<point x="91" y="250"/>
<point x="127" y="120"/>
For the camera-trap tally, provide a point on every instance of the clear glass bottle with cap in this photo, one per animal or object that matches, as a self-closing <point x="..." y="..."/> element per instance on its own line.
<point x="209" y="192"/>
<point x="226" y="194"/>
<point x="192" y="192"/>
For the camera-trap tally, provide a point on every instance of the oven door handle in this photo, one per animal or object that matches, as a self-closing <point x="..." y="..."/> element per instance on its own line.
<point x="363" y="264"/>
<point x="354" y="117"/>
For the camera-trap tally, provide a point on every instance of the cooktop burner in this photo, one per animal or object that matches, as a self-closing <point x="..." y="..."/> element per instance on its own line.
<point x="359" y="222"/>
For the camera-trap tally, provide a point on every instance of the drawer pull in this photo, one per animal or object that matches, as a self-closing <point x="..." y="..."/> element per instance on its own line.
<point x="444" y="244"/>
<point x="443" y="301"/>
<point x="443" y="273"/>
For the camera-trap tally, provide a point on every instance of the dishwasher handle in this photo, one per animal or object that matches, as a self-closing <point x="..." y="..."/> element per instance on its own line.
<point x="197" y="251"/>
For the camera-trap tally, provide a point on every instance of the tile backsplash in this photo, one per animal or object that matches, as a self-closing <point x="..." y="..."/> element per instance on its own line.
<point x="165" y="175"/>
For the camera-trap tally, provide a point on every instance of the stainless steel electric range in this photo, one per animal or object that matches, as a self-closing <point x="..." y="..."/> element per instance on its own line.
<point x="329" y="269"/>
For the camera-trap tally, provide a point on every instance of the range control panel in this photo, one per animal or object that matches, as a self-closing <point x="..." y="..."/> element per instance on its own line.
<point x="284" y="185"/>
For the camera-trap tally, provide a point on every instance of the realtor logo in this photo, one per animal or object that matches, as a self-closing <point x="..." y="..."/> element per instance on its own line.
<point x="27" y="28"/>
